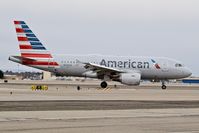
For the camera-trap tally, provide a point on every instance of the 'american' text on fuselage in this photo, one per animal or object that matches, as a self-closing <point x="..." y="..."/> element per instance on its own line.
<point x="125" y="64"/>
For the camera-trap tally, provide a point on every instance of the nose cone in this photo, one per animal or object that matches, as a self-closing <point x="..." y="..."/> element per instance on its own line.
<point x="187" y="72"/>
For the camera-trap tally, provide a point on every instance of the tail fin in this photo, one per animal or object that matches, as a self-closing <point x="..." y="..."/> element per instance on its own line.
<point x="31" y="47"/>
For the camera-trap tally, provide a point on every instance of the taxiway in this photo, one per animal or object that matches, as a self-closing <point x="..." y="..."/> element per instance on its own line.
<point x="62" y="108"/>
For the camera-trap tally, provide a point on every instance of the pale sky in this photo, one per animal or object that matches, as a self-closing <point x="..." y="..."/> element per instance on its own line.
<point x="168" y="28"/>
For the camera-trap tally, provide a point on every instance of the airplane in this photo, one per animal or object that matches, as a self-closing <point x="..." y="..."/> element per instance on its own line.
<point x="128" y="70"/>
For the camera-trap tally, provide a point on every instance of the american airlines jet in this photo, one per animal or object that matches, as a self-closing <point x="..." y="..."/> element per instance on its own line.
<point x="125" y="69"/>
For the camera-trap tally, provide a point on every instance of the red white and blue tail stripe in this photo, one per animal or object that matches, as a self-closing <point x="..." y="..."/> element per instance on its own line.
<point x="31" y="47"/>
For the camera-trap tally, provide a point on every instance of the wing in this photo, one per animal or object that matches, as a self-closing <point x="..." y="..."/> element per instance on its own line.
<point x="102" y="70"/>
<point x="108" y="73"/>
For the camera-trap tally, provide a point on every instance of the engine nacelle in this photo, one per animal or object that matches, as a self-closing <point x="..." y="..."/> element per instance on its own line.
<point x="130" y="78"/>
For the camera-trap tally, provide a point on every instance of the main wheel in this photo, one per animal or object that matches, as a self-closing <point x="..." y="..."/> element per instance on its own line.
<point x="103" y="84"/>
<point x="164" y="87"/>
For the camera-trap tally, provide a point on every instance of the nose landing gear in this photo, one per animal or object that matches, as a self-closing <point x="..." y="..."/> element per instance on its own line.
<point x="163" y="85"/>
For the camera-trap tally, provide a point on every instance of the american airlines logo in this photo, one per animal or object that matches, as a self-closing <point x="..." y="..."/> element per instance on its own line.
<point x="157" y="66"/>
<point x="125" y="64"/>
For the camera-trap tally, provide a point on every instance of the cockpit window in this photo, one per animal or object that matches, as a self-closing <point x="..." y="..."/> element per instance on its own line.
<point x="178" y="65"/>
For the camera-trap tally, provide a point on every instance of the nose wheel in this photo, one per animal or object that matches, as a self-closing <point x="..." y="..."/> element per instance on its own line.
<point x="163" y="85"/>
<point x="104" y="84"/>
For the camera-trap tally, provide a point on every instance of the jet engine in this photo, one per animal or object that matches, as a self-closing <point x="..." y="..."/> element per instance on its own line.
<point x="130" y="78"/>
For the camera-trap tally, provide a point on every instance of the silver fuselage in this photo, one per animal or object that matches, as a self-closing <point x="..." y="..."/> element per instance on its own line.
<point x="71" y="65"/>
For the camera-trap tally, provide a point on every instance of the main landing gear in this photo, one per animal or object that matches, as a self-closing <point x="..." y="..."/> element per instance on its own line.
<point x="163" y="85"/>
<point x="103" y="84"/>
